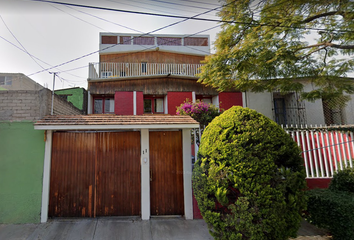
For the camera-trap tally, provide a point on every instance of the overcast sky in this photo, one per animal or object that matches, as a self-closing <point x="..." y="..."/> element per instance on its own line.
<point x="35" y="36"/>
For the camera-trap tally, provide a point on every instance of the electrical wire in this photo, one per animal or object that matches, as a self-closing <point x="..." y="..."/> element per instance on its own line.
<point x="24" y="49"/>
<point x="197" y="18"/>
<point x="156" y="30"/>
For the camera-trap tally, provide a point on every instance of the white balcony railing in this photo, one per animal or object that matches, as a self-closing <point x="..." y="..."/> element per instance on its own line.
<point x="105" y="70"/>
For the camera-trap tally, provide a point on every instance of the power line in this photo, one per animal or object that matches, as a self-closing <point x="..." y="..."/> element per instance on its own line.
<point x="197" y="18"/>
<point x="25" y="50"/>
<point x="89" y="54"/>
<point x="133" y="12"/>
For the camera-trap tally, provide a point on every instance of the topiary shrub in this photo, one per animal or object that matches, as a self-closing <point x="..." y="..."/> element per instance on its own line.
<point x="249" y="178"/>
<point x="343" y="181"/>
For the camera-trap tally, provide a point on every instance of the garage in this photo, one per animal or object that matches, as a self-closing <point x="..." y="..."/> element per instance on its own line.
<point x="117" y="165"/>
<point x="95" y="174"/>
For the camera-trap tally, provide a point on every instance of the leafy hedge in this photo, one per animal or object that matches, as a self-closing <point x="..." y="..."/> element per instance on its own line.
<point x="249" y="178"/>
<point x="343" y="181"/>
<point x="332" y="210"/>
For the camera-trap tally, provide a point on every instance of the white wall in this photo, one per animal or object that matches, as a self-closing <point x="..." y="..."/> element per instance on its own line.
<point x="261" y="102"/>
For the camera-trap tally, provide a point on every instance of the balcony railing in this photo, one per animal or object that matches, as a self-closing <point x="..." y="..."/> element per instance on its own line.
<point x="106" y="70"/>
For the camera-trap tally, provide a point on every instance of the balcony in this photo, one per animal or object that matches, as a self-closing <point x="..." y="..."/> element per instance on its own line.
<point x="109" y="70"/>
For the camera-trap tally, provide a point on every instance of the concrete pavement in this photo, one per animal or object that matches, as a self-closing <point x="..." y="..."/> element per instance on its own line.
<point x="130" y="228"/>
<point x="108" y="228"/>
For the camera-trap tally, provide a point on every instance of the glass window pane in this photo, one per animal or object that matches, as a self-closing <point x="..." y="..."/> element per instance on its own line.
<point x="159" y="105"/>
<point x="109" y="105"/>
<point x="8" y="80"/>
<point x="147" y="106"/>
<point x="2" y="80"/>
<point x="206" y="100"/>
<point x="98" y="106"/>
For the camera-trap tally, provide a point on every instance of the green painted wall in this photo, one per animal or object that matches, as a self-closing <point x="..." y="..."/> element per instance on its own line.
<point x="77" y="97"/>
<point x="21" y="172"/>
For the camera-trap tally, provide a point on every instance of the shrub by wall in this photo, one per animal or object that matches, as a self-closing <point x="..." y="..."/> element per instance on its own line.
<point x="332" y="210"/>
<point x="249" y="178"/>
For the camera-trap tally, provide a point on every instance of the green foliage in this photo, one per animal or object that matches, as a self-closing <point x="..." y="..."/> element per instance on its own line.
<point x="332" y="210"/>
<point x="343" y="181"/>
<point x="264" y="46"/>
<point x="249" y="178"/>
<point x="202" y="112"/>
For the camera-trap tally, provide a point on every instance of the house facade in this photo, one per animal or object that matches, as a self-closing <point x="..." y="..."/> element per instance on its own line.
<point x="151" y="75"/>
<point x="290" y="109"/>
<point x="131" y="155"/>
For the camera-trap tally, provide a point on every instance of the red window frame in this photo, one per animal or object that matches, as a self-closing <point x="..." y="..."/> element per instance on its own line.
<point x="152" y="98"/>
<point x="103" y="98"/>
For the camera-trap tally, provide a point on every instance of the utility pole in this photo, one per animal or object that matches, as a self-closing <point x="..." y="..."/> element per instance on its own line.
<point x="54" y="73"/>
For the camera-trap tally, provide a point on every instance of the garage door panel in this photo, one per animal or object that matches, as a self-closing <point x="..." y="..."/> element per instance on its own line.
<point x="166" y="166"/>
<point x="72" y="175"/>
<point x="95" y="174"/>
<point x="118" y="179"/>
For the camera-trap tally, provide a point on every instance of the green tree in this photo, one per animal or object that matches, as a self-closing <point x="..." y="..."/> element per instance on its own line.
<point x="265" y="44"/>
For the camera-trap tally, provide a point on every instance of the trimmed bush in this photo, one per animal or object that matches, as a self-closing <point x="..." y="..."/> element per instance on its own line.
<point x="249" y="178"/>
<point x="332" y="210"/>
<point x="343" y="181"/>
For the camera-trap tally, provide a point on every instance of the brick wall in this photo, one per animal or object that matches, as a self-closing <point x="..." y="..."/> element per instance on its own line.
<point x="32" y="105"/>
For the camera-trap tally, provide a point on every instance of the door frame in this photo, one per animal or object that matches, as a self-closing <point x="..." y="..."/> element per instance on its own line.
<point x="145" y="169"/>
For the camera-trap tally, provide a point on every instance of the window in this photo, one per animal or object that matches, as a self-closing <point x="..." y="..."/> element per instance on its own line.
<point x="106" y="74"/>
<point x="288" y="109"/>
<point x="109" y="39"/>
<point x="205" y="99"/>
<point x="153" y="104"/>
<point x="280" y="111"/>
<point x="333" y="112"/>
<point x="5" y="80"/>
<point x="103" y="105"/>
<point x="143" y="67"/>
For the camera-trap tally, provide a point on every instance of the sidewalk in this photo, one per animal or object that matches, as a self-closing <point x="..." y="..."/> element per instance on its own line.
<point x="121" y="228"/>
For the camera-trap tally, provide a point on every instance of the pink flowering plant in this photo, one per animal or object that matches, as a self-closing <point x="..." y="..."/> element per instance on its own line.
<point x="200" y="111"/>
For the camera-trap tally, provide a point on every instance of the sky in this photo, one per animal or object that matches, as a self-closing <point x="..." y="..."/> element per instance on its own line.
<point x="39" y="38"/>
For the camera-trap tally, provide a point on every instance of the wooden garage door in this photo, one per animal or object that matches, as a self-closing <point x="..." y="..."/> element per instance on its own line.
<point x="95" y="174"/>
<point x="166" y="166"/>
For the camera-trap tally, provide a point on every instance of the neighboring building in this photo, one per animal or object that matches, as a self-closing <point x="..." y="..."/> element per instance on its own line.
<point x="77" y="96"/>
<point x="290" y="109"/>
<point x="17" y="81"/>
<point x="23" y="149"/>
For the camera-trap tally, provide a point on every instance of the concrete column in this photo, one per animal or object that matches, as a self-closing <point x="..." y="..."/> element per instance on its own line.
<point x="193" y="97"/>
<point x="46" y="176"/>
<point x="187" y="173"/>
<point x="145" y="175"/>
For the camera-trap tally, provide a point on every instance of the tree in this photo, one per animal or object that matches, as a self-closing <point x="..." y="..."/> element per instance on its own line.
<point x="265" y="44"/>
<point x="249" y="179"/>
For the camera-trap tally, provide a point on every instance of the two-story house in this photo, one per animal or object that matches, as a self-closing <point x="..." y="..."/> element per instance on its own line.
<point x="131" y="155"/>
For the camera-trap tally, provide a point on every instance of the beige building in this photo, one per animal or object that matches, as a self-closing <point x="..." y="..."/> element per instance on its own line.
<point x="17" y="81"/>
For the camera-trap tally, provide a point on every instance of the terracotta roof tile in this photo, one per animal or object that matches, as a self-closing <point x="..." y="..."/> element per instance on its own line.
<point x="110" y="119"/>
